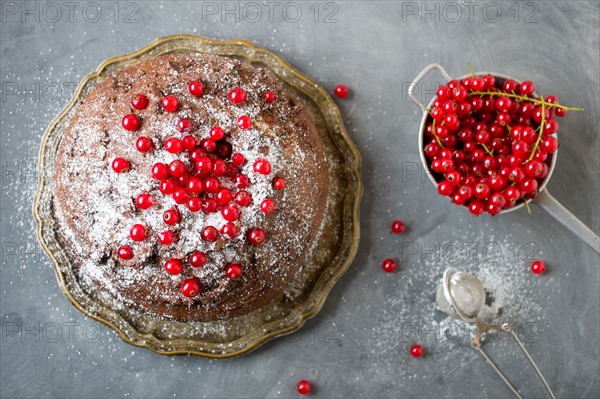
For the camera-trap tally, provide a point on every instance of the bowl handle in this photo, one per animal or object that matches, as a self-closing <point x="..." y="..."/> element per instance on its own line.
<point x="567" y="219"/>
<point x="412" y="87"/>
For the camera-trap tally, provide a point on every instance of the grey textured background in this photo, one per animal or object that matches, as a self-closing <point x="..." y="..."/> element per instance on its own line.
<point x="358" y="344"/>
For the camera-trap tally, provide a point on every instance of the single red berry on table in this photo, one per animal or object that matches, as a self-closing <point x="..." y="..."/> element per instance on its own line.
<point x="138" y="232"/>
<point x="538" y="267"/>
<point x="166" y="237"/>
<point x="190" y="288"/>
<point x="144" y="144"/>
<point x="256" y="236"/>
<point x="237" y="95"/>
<point x="130" y="122"/>
<point x="125" y="252"/>
<point x="170" y="103"/>
<point x="197" y="259"/>
<point x="389" y="265"/>
<point x="231" y="212"/>
<point x="244" y="122"/>
<point x="303" y="387"/>
<point x="398" y="227"/>
<point x="340" y="91"/>
<point x="210" y="234"/>
<point x="139" y="102"/>
<point x="269" y="96"/>
<point x="144" y="201"/>
<point x="416" y="350"/>
<point x="233" y="270"/>
<point x="196" y="88"/>
<point x="171" y="217"/>
<point x="243" y="198"/>
<point x="120" y="165"/>
<point x="242" y="181"/>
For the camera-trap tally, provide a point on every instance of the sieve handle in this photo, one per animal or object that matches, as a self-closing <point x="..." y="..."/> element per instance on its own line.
<point x="413" y="85"/>
<point x="567" y="219"/>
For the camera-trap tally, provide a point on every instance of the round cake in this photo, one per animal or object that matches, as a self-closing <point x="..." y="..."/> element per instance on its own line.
<point x="191" y="187"/>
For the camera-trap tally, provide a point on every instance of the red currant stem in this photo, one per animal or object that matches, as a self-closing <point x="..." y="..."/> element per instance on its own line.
<point x="470" y="70"/>
<point x="435" y="135"/>
<point x="487" y="149"/>
<point x="522" y="98"/>
<point x="527" y="206"/>
<point x="541" y="129"/>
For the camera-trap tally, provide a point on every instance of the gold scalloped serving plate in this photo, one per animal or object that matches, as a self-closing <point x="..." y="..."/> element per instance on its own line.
<point x="305" y="295"/>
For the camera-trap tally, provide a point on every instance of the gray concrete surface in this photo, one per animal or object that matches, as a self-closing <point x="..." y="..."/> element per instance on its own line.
<point x="358" y="344"/>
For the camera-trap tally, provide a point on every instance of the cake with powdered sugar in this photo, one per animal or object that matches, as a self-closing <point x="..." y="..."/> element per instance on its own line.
<point x="191" y="187"/>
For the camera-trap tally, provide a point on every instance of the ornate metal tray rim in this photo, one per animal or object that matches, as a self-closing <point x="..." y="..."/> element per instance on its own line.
<point x="325" y="281"/>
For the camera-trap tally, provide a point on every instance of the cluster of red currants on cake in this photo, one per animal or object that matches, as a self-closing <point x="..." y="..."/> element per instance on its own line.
<point x="195" y="180"/>
<point x="489" y="141"/>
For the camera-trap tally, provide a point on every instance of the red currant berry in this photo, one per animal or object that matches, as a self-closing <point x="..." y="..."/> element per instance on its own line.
<point x="144" y="201"/>
<point x="445" y="188"/>
<point x="167" y="237"/>
<point x="229" y="230"/>
<point x="510" y="86"/>
<point x="389" y="265"/>
<point x="125" y="252"/>
<point x="204" y="166"/>
<point x="303" y="387"/>
<point x="538" y="267"/>
<point x="190" y="288"/>
<point x="267" y="206"/>
<point x="180" y="195"/>
<point x="210" y="205"/>
<point x="243" y="198"/>
<point x="195" y="185"/>
<point x="171" y="217"/>
<point x="560" y="112"/>
<point x="212" y="185"/>
<point x="196" y="88"/>
<point x="238" y="159"/>
<point x="549" y="145"/>
<point x="160" y="171"/>
<point x="139" y="102"/>
<point x="416" y="350"/>
<point x="527" y="88"/>
<point x="476" y="207"/>
<point x="223" y="149"/>
<point x="278" y="183"/>
<point x="170" y="103"/>
<point x="210" y="234"/>
<point x="216" y="133"/>
<point x="340" y="91"/>
<point x="120" y="165"/>
<point x="144" y="144"/>
<point x="185" y="125"/>
<point x="269" y="96"/>
<point x="262" y="166"/>
<point x="256" y="236"/>
<point x="197" y="259"/>
<point x="242" y="181"/>
<point x="177" y="168"/>
<point x="244" y="122"/>
<point x="237" y="95"/>
<point x="231" y="213"/>
<point x="224" y="196"/>
<point x="138" y="232"/>
<point x="167" y="186"/>
<point x="173" y="145"/>
<point x="233" y="270"/>
<point x="194" y="204"/>
<point x="173" y="266"/>
<point x="130" y="122"/>
<point x="208" y="145"/>
<point x="398" y="227"/>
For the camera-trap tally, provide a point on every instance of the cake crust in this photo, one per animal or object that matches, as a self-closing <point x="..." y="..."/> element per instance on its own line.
<point x="95" y="207"/>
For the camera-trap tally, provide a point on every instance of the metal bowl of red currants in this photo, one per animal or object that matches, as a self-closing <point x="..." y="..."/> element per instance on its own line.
<point x="489" y="143"/>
